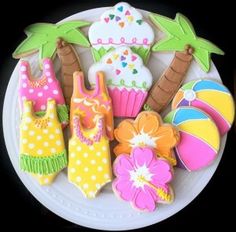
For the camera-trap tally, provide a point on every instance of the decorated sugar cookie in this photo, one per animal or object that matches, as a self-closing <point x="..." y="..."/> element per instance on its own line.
<point x="142" y="179"/>
<point x="42" y="37"/>
<point x="199" y="137"/>
<point x="42" y="148"/>
<point x="128" y="80"/>
<point x="41" y="89"/>
<point x="121" y="25"/>
<point x="181" y="38"/>
<point x="89" y="157"/>
<point x="147" y="130"/>
<point x="89" y="103"/>
<point x="211" y="97"/>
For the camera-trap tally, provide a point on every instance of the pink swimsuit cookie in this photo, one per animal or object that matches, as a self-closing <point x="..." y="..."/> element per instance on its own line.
<point x="142" y="179"/>
<point x="41" y="89"/>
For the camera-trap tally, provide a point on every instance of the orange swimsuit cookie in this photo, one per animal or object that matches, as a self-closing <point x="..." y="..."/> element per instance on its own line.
<point x="147" y="130"/>
<point x="88" y="103"/>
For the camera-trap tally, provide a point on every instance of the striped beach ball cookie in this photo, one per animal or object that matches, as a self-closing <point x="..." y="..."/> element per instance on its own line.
<point x="211" y="97"/>
<point x="199" y="137"/>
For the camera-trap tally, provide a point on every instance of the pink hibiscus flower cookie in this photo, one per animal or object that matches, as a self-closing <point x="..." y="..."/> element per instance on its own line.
<point x="142" y="179"/>
<point x="42" y="89"/>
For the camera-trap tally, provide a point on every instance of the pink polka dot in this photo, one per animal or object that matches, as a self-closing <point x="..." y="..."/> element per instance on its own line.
<point x="48" y="74"/>
<point x="24" y="76"/>
<point x="45" y="87"/>
<point x="40" y="94"/>
<point x="50" y="80"/>
<point x="24" y="85"/>
<point x="23" y="68"/>
<point x="31" y="90"/>
<point x="47" y="66"/>
<point x="43" y="107"/>
<point x="55" y="91"/>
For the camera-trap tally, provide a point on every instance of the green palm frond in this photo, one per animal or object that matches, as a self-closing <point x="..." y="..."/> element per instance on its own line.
<point x="42" y="37"/>
<point x="179" y="33"/>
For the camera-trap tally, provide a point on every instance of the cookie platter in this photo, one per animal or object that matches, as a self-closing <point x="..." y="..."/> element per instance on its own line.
<point x="105" y="211"/>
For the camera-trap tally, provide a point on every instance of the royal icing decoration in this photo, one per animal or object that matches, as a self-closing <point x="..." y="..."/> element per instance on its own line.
<point x="211" y="97"/>
<point x="43" y="37"/>
<point x="88" y="103"/>
<point x="142" y="179"/>
<point x="89" y="157"/>
<point x="181" y="38"/>
<point x="128" y="80"/>
<point x="118" y="28"/>
<point x="200" y="140"/>
<point x="147" y="130"/>
<point x="42" y="148"/>
<point x="41" y="89"/>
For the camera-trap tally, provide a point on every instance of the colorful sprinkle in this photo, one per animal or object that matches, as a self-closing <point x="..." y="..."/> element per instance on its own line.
<point x="120" y="8"/>
<point x="126" y="52"/>
<point x="111" y="16"/>
<point x="121" y="24"/>
<point x="115" y="56"/>
<point x="135" y="71"/>
<point x="117" y="71"/>
<point x="133" y="58"/>
<point x="122" y="58"/>
<point x="124" y="64"/>
<point x="139" y="21"/>
<point x="131" y="66"/>
<point x="109" y="61"/>
<point x="118" y="18"/>
<point x="127" y="13"/>
<point x="106" y="20"/>
<point x="130" y="18"/>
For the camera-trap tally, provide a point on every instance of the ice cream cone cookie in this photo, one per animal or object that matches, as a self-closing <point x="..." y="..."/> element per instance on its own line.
<point x="121" y="25"/>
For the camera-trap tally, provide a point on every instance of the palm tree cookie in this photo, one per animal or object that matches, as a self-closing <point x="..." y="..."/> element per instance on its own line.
<point x="182" y="39"/>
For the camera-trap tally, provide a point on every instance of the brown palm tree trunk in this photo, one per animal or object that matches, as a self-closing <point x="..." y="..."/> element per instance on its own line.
<point x="69" y="64"/>
<point x="168" y="84"/>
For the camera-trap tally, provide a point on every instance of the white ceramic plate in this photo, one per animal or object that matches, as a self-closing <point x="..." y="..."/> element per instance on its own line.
<point x="106" y="211"/>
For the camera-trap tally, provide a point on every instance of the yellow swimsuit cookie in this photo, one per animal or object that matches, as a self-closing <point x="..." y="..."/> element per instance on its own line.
<point x="42" y="148"/>
<point x="89" y="157"/>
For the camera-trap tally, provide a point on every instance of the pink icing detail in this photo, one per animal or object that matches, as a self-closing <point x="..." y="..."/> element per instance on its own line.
<point x="133" y="58"/>
<point x="39" y="94"/>
<point x="126" y="103"/>
<point x="117" y="71"/>
<point x="100" y="42"/>
<point x="122" y="40"/>
<point x="110" y="40"/>
<point x="146" y="197"/>
<point x="145" y="41"/>
<point x="106" y="20"/>
<point x="194" y="153"/>
<point x="96" y="138"/>
<point x="127" y="13"/>
<point x="221" y="123"/>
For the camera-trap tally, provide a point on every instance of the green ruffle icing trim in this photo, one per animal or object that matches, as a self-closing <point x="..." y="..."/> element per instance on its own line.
<point x="62" y="113"/>
<point x="43" y="165"/>
<point x="123" y="84"/>
<point x="141" y="51"/>
<point x="146" y="107"/>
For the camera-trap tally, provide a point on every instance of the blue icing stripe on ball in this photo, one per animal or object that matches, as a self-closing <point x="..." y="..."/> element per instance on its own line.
<point x="207" y="84"/>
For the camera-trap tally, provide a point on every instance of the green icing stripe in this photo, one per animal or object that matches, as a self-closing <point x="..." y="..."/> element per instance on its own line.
<point x="169" y="117"/>
<point x="123" y="84"/>
<point x="62" y="113"/>
<point x="43" y="165"/>
<point x="146" y="107"/>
